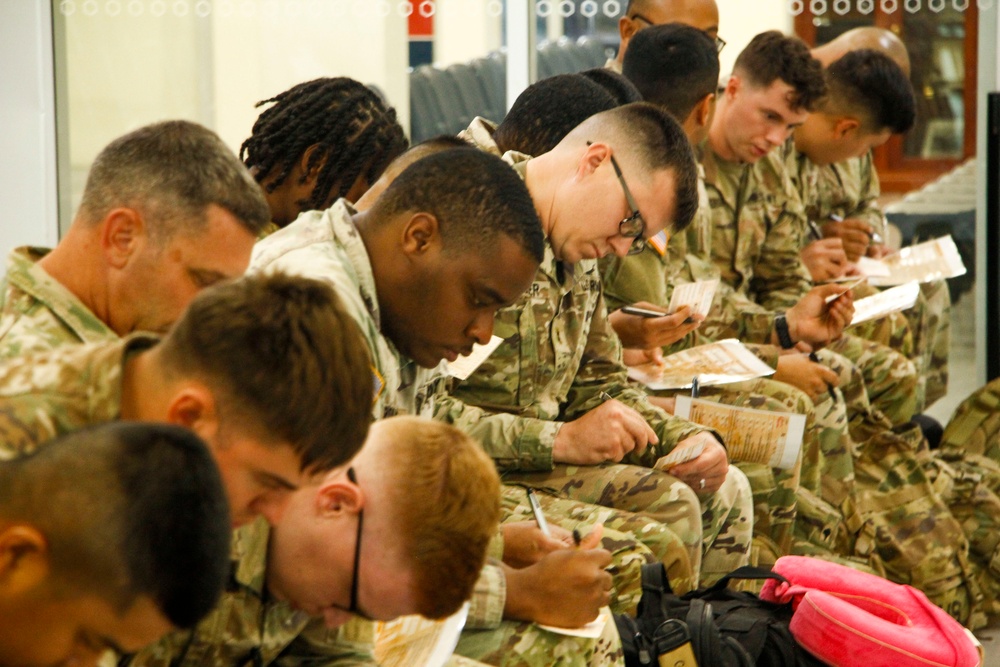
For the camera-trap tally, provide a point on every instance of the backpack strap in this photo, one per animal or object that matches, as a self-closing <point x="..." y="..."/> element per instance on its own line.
<point x="745" y="572"/>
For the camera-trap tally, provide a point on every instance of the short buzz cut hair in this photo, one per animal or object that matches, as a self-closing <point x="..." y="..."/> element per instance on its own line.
<point x="771" y="56"/>
<point x="673" y="65"/>
<point x="284" y="360"/>
<point x="649" y="139"/>
<point x="546" y="112"/>
<point x="172" y="172"/>
<point x="870" y="85"/>
<point x="476" y="198"/>
<point x="445" y="493"/>
<point x="619" y="87"/>
<point x="127" y="510"/>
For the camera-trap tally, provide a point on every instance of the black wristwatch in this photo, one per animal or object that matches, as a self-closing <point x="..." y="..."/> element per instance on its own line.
<point x="781" y="328"/>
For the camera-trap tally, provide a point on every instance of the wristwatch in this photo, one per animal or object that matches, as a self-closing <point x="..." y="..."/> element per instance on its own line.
<point x="781" y="328"/>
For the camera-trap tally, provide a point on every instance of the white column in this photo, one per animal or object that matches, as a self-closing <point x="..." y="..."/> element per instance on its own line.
<point x="28" y="182"/>
<point x="522" y="61"/>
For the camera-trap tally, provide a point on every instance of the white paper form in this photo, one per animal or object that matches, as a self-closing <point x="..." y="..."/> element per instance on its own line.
<point x="413" y="641"/>
<point x="753" y="436"/>
<point x="697" y="295"/>
<point x="592" y="630"/>
<point x="715" y="363"/>
<point x="891" y="300"/>
<point x="923" y="263"/>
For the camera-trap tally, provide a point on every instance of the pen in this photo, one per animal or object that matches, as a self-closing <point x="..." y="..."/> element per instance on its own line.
<point x="815" y="231"/>
<point x="694" y="387"/>
<point x="536" y="509"/>
<point x="577" y="538"/>
<point x="873" y="235"/>
<point x="829" y="387"/>
<point x="605" y="397"/>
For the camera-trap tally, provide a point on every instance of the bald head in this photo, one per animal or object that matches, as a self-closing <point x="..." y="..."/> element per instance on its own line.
<point x="878" y="39"/>
<point x="700" y="14"/>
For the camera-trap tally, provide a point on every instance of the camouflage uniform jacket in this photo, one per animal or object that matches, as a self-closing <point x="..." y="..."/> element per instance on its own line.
<point x="38" y="313"/>
<point x="480" y="134"/>
<point x="757" y="231"/>
<point x="46" y="394"/>
<point x="652" y="275"/>
<point x="559" y="354"/>
<point x="327" y="246"/>
<point x="849" y="189"/>
<point x="248" y="628"/>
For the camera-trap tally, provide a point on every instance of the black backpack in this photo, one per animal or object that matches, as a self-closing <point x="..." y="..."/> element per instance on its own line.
<point x="725" y="628"/>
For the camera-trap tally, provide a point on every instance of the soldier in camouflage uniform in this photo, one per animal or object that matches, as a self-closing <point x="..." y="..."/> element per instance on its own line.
<point x="676" y="66"/>
<point x="564" y="356"/>
<point x="95" y="555"/>
<point x="45" y="394"/>
<point x="758" y="220"/>
<point x="83" y="291"/>
<point x="848" y="190"/>
<point x="340" y="246"/>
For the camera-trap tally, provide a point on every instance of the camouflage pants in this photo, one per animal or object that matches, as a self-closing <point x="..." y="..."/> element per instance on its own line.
<point x="890" y="379"/>
<point x="716" y="531"/>
<point x="774" y="490"/>
<point x="930" y="320"/>
<point x="894" y="330"/>
<point x="632" y="539"/>
<point x="975" y="426"/>
<point x="526" y="645"/>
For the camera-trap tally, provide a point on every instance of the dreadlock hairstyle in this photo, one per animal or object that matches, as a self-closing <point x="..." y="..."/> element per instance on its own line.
<point x="354" y="131"/>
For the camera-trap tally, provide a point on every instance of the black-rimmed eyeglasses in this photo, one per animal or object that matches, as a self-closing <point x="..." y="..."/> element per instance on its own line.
<point x="353" y="608"/>
<point x="719" y="42"/>
<point x="632" y="227"/>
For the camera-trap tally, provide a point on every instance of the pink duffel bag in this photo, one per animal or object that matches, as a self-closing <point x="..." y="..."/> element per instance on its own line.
<point x="845" y="618"/>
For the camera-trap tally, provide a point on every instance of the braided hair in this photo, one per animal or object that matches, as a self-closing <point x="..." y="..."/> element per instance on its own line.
<point x="355" y="132"/>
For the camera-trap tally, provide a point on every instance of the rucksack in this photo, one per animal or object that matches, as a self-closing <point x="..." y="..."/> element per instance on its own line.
<point x="724" y="628"/>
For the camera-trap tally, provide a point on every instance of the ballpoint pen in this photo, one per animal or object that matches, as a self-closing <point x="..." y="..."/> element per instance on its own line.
<point x="536" y="509"/>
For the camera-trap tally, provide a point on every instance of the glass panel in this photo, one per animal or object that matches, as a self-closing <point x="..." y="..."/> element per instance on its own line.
<point x="936" y="42"/>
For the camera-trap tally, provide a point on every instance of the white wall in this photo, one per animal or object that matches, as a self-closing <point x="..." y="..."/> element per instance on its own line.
<point x="466" y="29"/>
<point x="741" y="20"/>
<point x="211" y="62"/>
<point x="27" y="116"/>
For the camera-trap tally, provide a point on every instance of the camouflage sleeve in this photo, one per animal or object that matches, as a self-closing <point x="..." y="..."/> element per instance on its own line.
<point x="781" y="278"/>
<point x="24" y="424"/>
<point x="351" y="645"/>
<point x="601" y="370"/>
<point x="488" y="599"/>
<point x="869" y="192"/>
<point x="514" y="442"/>
<point x="735" y="315"/>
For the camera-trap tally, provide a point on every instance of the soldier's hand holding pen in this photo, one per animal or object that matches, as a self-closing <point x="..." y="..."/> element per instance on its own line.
<point x="825" y="259"/>
<point x="565" y="588"/>
<point x="856" y="234"/>
<point x="802" y="372"/>
<point x="605" y="433"/>
<point x="646" y="331"/>
<point x="525" y="544"/>
<point x="815" y="321"/>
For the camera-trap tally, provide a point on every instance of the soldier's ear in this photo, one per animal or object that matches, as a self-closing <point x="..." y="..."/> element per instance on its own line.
<point x="24" y="560"/>
<point x="420" y="233"/>
<point x="844" y="127"/>
<point x="122" y="234"/>
<point x="338" y="496"/>
<point x="193" y="406"/>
